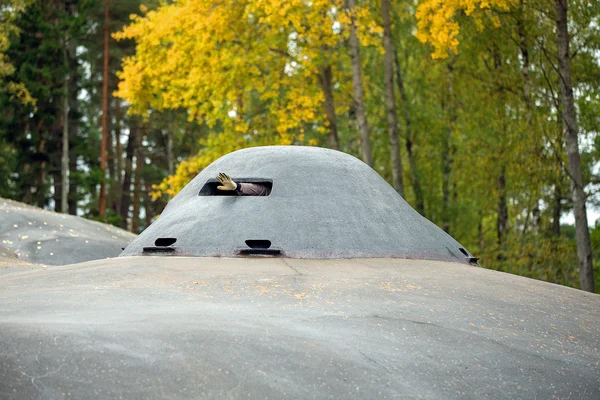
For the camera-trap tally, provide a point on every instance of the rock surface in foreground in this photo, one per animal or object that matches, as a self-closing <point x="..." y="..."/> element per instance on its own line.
<point x="181" y="328"/>
<point x="45" y="237"/>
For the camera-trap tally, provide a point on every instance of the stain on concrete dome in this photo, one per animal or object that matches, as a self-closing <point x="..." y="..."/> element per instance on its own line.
<point x="323" y="204"/>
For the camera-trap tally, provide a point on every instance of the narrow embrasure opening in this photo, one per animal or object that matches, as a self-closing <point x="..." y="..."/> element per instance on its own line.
<point x="164" y="241"/>
<point x="258" y="244"/>
<point x="210" y="187"/>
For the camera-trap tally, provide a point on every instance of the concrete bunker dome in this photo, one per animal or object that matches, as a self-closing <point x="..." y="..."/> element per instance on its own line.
<point x="323" y="204"/>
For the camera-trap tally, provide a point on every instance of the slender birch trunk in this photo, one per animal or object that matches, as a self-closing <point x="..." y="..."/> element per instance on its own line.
<point x="390" y="100"/>
<point x="416" y="183"/>
<point x="449" y="108"/>
<point x="326" y="80"/>
<point x="582" y="232"/>
<point x="102" y="197"/>
<point x="135" y="212"/>
<point x="126" y="187"/>
<point x="359" y="94"/>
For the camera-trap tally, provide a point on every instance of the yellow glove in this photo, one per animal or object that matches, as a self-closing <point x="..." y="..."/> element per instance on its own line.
<point x="226" y="181"/>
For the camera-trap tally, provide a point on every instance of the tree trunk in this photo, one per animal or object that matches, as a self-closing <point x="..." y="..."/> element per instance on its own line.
<point x="57" y="183"/>
<point x="446" y="171"/>
<point x="102" y="199"/>
<point x="55" y="152"/>
<point x="27" y="186"/>
<point x="148" y="208"/>
<point x="359" y="95"/>
<point x="524" y="62"/>
<point x="126" y="187"/>
<point x="110" y="160"/>
<point x="390" y="100"/>
<point x="326" y="81"/>
<point x="480" y="232"/>
<point x="135" y="218"/>
<point x="502" y="220"/>
<point x="40" y="194"/>
<point x="556" y="211"/>
<point x="582" y="233"/>
<point x="139" y="166"/>
<point x="74" y="118"/>
<point x="416" y="183"/>
<point x="65" y="139"/>
<point x="118" y="149"/>
<point x="73" y="186"/>
<point x="448" y="106"/>
<point x="112" y="197"/>
<point x="116" y="166"/>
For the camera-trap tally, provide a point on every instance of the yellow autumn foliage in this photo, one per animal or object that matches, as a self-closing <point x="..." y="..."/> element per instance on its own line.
<point x="437" y="23"/>
<point x="10" y="10"/>
<point x="246" y="69"/>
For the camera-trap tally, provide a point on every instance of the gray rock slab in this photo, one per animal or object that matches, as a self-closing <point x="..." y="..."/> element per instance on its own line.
<point x="46" y="237"/>
<point x="323" y="204"/>
<point x="276" y="328"/>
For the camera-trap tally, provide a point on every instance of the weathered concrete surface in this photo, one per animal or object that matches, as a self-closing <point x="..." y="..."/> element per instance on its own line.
<point x="46" y="237"/>
<point x="323" y="204"/>
<point x="268" y="328"/>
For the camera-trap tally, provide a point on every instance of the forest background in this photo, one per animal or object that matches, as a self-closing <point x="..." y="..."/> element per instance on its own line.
<point x="483" y="114"/>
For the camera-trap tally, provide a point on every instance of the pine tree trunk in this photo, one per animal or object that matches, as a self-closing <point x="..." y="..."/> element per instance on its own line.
<point x="55" y="153"/>
<point x="27" y="186"/>
<point x="73" y="128"/>
<point x="57" y="183"/>
<point x="390" y="100"/>
<point x="73" y="186"/>
<point x="416" y="183"/>
<point x="126" y="187"/>
<point x="110" y="160"/>
<point x="361" y="118"/>
<point x="64" y="206"/>
<point x="40" y="194"/>
<point x="582" y="233"/>
<point x="326" y="80"/>
<point x="118" y="147"/>
<point x="102" y="199"/>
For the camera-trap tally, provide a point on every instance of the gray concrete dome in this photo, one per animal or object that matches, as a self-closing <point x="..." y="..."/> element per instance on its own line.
<point x="323" y="204"/>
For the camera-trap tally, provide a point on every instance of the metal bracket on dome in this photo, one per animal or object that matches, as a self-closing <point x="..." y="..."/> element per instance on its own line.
<point x="263" y="252"/>
<point x="158" y="249"/>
